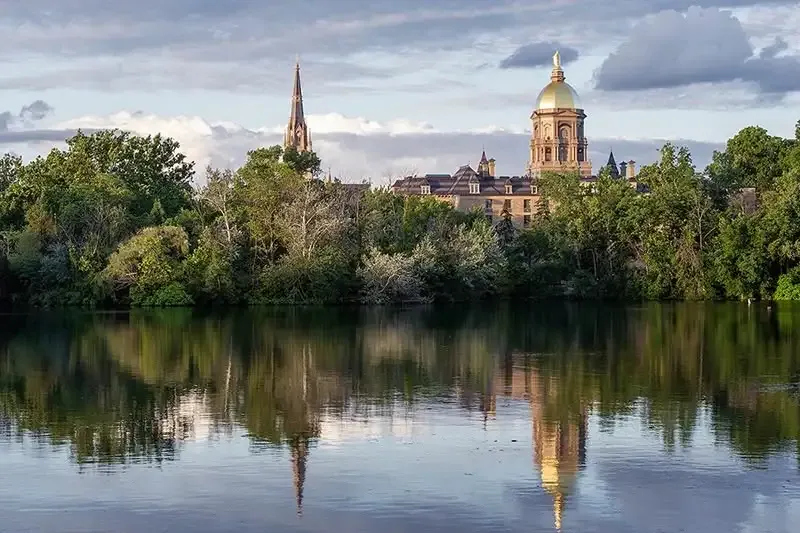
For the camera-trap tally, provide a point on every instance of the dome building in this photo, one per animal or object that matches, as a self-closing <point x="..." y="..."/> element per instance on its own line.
<point x="558" y="141"/>
<point x="558" y="144"/>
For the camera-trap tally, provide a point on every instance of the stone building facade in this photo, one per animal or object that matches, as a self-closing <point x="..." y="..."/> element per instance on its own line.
<point x="558" y="139"/>
<point x="558" y="144"/>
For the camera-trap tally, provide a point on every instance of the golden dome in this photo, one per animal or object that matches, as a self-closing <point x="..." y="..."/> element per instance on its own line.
<point x="558" y="95"/>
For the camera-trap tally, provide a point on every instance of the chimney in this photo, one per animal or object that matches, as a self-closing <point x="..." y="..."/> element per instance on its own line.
<point x="491" y="168"/>
<point x="623" y="172"/>
<point x="631" y="170"/>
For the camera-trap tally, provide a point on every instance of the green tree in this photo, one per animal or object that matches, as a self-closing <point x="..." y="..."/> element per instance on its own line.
<point x="752" y="158"/>
<point x="148" y="268"/>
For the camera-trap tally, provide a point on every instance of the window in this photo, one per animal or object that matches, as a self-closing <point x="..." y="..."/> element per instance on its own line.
<point x="526" y="205"/>
<point x="526" y="221"/>
<point x="509" y="189"/>
<point x="507" y="205"/>
<point x="474" y="188"/>
<point x="487" y="204"/>
<point x="425" y="189"/>
<point x="548" y="154"/>
<point x="534" y="189"/>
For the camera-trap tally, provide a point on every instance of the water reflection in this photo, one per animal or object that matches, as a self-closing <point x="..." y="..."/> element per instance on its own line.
<point x="121" y="389"/>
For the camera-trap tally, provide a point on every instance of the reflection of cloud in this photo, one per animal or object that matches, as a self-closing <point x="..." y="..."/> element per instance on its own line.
<point x="338" y="430"/>
<point x="192" y="419"/>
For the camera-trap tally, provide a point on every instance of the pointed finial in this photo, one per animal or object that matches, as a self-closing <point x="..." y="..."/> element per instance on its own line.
<point x="556" y="60"/>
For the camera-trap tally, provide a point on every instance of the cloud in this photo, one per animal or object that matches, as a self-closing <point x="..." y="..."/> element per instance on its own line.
<point x="672" y="49"/>
<point x="6" y="119"/>
<point x="200" y="44"/>
<point x="538" y="55"/>
<point x="29" y="114"/>
<point x="354" y="149"/>
<point x="35" y="111"/>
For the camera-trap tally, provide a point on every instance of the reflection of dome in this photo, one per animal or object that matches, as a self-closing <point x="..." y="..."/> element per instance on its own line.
<point x="558" y="95"/>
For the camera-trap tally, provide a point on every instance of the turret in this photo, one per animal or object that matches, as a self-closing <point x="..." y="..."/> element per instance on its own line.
<point x="611" y="165"/>
<point x="630" y="169"/>
<point x="483" y="166"/>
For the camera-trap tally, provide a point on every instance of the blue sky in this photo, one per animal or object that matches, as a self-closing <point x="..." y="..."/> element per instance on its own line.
<point x="397" y="87"/>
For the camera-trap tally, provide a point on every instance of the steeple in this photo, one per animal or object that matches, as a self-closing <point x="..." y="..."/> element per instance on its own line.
<point x="483" y="166"/>
<point x="612" y="165"/>
<point x="297" y="134"/>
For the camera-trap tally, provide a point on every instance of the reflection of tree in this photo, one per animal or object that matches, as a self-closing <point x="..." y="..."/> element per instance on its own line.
<point x="135" y="386"/>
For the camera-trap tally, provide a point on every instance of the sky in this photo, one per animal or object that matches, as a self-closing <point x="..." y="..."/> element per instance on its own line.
<point x="397" y="87"/>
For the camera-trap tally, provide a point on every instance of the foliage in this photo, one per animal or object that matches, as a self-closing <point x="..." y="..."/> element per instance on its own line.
<point x="113" y="220"/>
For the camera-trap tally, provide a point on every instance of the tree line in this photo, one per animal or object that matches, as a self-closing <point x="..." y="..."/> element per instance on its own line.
<point x="115" y="219"/>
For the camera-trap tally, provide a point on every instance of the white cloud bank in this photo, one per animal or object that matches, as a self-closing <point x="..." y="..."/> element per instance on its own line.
<point x="353" y="148"/>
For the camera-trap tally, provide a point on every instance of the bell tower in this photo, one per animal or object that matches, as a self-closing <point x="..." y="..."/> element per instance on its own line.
<point x="558" y="141"/>
<point x="297" y="135"/>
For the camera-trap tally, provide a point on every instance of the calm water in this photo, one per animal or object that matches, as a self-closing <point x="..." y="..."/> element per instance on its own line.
<point x="610" y="419"/>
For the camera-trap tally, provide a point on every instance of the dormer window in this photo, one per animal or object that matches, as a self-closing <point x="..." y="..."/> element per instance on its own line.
<point x="509" y="189"/>
<point x="425" y="189"/>
<point x="474" y="188"/>
<point x="534" y="189"/>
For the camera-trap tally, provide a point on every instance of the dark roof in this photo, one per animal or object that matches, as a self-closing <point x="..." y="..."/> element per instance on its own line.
<point x="356" y="186"/>
<point x="611" y="165"/>
<point x="458" y="183"/>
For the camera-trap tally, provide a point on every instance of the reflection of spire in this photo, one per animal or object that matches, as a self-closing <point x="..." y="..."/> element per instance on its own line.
<point x="558" y="509"/>
<point x="299" y="459"/>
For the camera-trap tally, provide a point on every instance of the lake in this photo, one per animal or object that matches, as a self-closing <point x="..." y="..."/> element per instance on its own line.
<point x="546" y="417"/>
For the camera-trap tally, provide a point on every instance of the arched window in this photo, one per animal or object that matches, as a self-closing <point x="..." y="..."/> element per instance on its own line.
<point x="562" y="152"/>
<point x="548" y="154"/>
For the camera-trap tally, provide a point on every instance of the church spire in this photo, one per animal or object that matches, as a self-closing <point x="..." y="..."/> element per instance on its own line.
<point x="483" y="165"/>
<point x="297" y="133"/>
<point x="611" y="165"/>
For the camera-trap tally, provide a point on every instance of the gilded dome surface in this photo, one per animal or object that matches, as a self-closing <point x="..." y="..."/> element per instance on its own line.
<point x="558" y="95"/>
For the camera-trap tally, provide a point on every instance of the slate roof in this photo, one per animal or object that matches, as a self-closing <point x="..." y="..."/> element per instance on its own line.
<point x="457" y="184"/>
